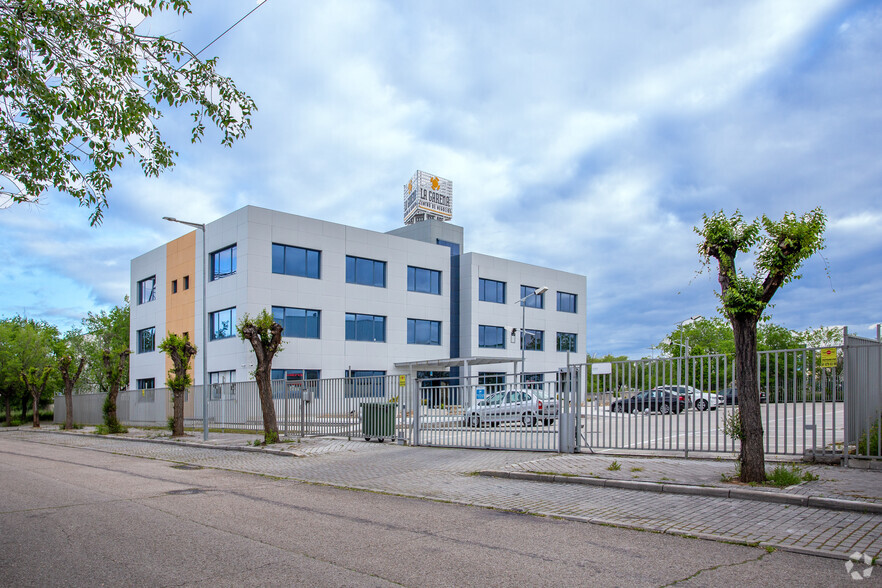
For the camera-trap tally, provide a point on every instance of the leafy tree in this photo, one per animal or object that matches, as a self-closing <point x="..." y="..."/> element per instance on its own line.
<point x="104" y="331"/>
<point x="81" y="90"/>
<point x="115" y="365"/>
<point x="36" y="384"/>
<point x="181" y="351"/>
<point x="783" y="248"/>
<point x="25" y="344"/>
<point x="265" y="336"/>
<point x="69" y="377"/>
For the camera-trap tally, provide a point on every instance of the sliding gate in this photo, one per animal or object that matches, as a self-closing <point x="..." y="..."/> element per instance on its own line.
<point x="536" y="415"/>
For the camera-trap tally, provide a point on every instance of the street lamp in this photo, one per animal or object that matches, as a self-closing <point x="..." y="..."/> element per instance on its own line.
<point x="201" y="227"/>
<point x="536" y="292"/>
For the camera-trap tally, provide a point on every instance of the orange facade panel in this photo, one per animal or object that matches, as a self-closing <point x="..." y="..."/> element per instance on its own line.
<point x="180" y="288"/>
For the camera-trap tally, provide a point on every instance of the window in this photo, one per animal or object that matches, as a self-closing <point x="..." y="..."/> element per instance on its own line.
<point x="222" y="384"/>
<point x="533" y="340"/>
<point x="186" y="282"/>
<point x="296" y="261"/>
<point x="423" y="280"/>
<point x="146" y="340"/>
<point x="491" y="291"/>
<point x="566" y="342"/>
<point x="147" y="290"/>
<point x="146" y="384"/>
<point x="566" y="302"/>
<point x="365" y="384"/>
<point x="533" y="381"/>
<point x="222" y="324"/>
<point x="494" y="381"/>
<point x="298" y="322"/>
<point x="532" y="301"/>
<point x="491" y="337"/>
<point x="367" y="272"/>
<point x="223" y="263"/>
<point x="420" y="332"/>
<point x="365" y="327"/>
<point x="174" y="286"/>
<point x="296" y="374"/>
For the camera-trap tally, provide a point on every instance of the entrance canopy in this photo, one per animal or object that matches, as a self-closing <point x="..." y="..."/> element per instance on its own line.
<point x="430" y="365"/>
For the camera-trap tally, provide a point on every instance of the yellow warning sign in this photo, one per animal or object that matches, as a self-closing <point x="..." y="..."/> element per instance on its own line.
<point x="828" y="357"/>
<point x="402" y="381"/>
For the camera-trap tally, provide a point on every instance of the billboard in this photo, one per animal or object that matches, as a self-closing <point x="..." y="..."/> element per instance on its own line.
<point x="427" y="196"/>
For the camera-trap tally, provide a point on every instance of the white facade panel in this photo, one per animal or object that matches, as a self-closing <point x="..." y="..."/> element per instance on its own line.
<point x="254" y="287"/>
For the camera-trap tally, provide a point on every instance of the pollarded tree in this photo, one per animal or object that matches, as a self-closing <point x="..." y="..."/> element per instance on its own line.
<point x="81" y="89"/>
<point x="180" y="351"/>
<point x="783" y="248"/>
<point x="116" y="365"/>
<point x="35" y="380"/>
<point x="265" y="336"/>
<point x="69" y="379"/>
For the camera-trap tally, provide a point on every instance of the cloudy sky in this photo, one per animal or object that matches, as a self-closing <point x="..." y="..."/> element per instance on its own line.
<point x="587" y="136"/>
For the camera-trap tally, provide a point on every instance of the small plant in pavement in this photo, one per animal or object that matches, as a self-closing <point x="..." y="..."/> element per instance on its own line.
<point x="614" y="466"/>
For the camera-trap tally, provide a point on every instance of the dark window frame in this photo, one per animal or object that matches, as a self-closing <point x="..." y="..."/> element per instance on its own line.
<point x="213" y="332"/>
<point x="562" y="302"/>
<point x="531" y="301"/>
<point x="151" y="295"/>
<point x="533" y="335"/>
<point x="415" y="279"/>
<point x="568" y="337"/>
<point x="284" y="263"/>
<point x="412" y="331"/>
<point x="306" y="322"/>
<point x="146" y="340"/>
<point x="363" y="271"/>
<point x="355" y="334"/>
<point x="483" y="331"/>
<point x="215" y="259"/>
<point x="486" y="285"/>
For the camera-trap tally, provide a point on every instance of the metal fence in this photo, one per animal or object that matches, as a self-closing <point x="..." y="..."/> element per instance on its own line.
<point x="819" y="401"/>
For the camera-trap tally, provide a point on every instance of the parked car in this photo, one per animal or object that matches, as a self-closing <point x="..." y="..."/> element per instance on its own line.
<point x="694" y="396"/>
<point x="651" y="400"/>
<point x="730" y="396"/>
<point x="512" y="406"/>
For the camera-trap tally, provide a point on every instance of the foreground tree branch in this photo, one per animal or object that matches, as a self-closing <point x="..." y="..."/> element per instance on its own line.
<point x="82" y="90"/>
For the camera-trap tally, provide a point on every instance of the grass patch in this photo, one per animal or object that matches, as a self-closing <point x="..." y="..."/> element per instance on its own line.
<point x="614" y="466"/>
<point x="74" y="426"/>
<point x="783" y="476"/>
<point x="636" y="469"/>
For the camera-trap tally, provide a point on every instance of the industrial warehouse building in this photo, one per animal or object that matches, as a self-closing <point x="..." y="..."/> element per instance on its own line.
<point x="354" y="302"/>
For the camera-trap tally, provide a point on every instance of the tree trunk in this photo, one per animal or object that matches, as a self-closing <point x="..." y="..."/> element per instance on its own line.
<point x="36" y="410"/>
<point x="265" y="391"/>
<point x="753" y="461"/>
<point x="68" y="412"/>
<point x="178" y="428"/>
<point x="8" y="411"/>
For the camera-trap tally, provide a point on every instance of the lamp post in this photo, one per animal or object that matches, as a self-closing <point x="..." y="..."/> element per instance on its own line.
<point x="536" y="292"/>
<point x="201" y="227"/>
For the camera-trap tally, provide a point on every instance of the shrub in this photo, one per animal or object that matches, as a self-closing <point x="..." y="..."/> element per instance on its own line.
<point x="868" y="444"/>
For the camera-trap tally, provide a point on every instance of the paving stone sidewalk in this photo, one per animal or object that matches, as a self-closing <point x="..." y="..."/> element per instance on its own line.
<point x="448" y="474"/>
<point x="851" y="484"/>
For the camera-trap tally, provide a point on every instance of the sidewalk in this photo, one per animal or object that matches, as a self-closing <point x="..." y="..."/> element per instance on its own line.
<point x="834" y="516"/>
<point x="836" y="488"/>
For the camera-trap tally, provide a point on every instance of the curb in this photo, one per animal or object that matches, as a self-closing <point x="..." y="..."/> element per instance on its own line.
<point x="244" y="448"/>
<point x="735" y="493"/>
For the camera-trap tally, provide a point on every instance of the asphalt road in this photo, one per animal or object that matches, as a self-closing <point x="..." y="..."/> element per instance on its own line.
<point x="78" y="517"/>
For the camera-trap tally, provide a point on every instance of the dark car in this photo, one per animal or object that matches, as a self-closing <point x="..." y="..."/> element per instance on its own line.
<point x="730" y="396"/>
<point x="651" y="400"/>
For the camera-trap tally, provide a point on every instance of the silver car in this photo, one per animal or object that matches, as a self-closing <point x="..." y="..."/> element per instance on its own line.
<point x="512" y="406"/>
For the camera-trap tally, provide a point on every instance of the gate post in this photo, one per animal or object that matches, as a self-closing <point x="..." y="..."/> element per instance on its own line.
<point x="415" y="403"/>
<point x="566" y="432"/>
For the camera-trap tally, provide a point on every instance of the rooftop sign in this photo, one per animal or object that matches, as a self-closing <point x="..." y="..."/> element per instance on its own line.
<point x="427" y="196"/>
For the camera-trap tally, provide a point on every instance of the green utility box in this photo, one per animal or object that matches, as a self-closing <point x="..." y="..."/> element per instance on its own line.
<point x="378" y="420"/>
